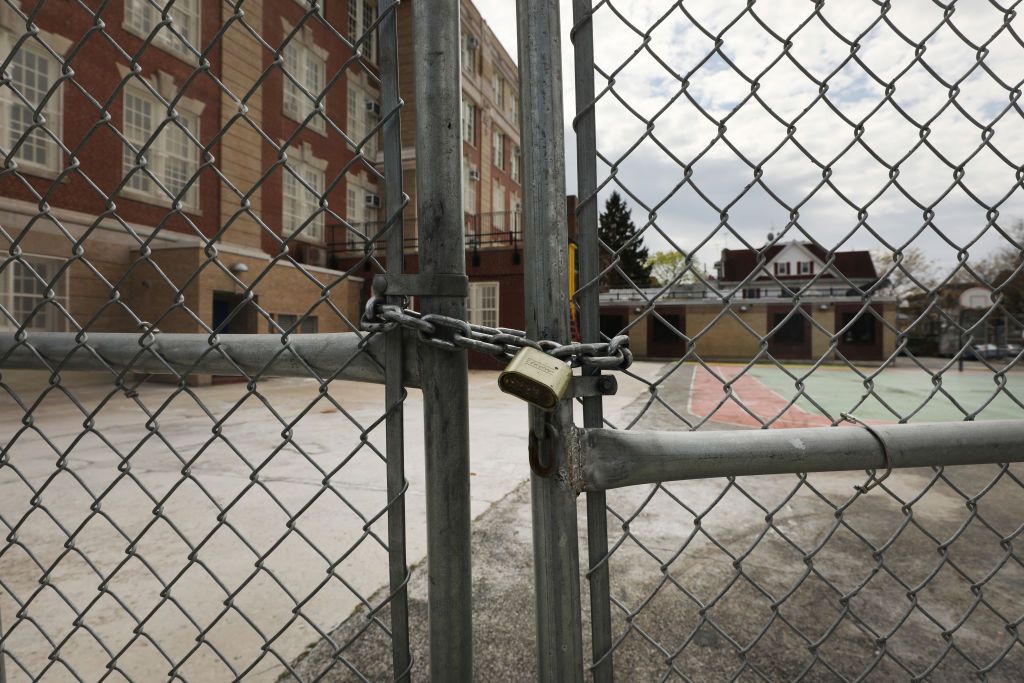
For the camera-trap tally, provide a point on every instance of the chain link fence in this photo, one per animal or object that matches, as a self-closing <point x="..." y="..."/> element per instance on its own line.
<point x="171" y="172"/>
<point x="827" y="210"/>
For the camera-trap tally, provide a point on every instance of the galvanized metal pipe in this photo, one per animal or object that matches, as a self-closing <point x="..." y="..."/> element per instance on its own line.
<point x="346" y="355"/>
<point x="445" y="375"/>
<point x="589" y="312"/>
<point x="394" y="361"/>
<point x="612" y="459"/>
<point x="545" y="248"/>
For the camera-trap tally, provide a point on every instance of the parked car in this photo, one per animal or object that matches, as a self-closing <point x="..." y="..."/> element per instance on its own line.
<point x="986" y="351"/>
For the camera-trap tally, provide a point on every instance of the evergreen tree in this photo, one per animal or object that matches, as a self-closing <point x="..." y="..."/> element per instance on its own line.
<point x="618" y="232"/>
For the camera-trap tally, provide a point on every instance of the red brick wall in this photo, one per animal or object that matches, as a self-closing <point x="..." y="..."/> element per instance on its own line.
<point x="95" y="72"/>
<point x="330" y="146"/>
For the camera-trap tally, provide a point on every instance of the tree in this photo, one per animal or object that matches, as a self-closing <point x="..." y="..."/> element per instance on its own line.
<point x="915" y="265"/>
<point x="666" y="266"/>
<point x="999" y="268"/>
<point x="619" y="233"/>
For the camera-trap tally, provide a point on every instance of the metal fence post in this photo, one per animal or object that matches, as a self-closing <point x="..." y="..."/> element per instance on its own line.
<point x="445" y="380"/>
<point x="555" y="540"/>
<point x="589" y="313"/>
<point x="394" y="363"/>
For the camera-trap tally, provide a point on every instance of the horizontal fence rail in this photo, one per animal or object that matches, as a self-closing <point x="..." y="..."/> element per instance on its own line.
<point x="610" y="459"/>
<point x="344" y="355"/>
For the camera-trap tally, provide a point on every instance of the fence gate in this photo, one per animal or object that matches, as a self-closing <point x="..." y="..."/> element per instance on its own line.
<point x="196" y="196"/>
<point x="765" y="148"/>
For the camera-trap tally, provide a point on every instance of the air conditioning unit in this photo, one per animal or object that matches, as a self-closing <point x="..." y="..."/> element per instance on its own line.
<point x="474" y="174"/>
<point x="473" y="42"/>
<point x="373" y="201"/>
<point x="372" y="106"/>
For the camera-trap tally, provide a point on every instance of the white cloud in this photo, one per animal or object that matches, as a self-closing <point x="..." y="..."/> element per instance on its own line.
<point x="658" y="58"/>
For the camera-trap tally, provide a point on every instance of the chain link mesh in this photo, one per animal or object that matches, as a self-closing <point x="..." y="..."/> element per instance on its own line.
<point x="178" y="167"/>
<point x="834" y="192"/>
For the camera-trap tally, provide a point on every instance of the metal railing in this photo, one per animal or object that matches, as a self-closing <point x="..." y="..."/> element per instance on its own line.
<point x="483" y="231"/>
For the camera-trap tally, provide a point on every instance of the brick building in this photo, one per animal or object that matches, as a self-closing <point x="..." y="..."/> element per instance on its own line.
<point x="228" y="188"/>
<point x="830" y="296"/>
<point x="492" y="194"/>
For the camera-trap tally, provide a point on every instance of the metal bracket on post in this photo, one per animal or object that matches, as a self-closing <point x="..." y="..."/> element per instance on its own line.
<point x="421" y="284"/>
<point x="593" y="385"/>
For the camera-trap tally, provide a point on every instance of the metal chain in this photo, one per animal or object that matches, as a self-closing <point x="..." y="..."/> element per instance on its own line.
<point x="450" y="334"/>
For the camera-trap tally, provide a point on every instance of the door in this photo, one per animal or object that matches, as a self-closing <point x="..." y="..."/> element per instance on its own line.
<point x="790" y="338"/>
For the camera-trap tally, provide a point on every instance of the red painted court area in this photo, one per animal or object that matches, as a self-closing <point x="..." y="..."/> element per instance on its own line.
<point x="721" y="397"/>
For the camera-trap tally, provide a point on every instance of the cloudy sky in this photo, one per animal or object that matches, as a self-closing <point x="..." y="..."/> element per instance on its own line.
<point x="660" y="141"/>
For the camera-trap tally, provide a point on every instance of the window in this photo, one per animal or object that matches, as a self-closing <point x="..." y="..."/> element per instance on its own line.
<point x="752" y="293"/>
<point x="307" y="325"/>
<point x="142" y="16"/>
<point x="468" y="121"/>
<point x="303" y="82"/>
<point x="354" y="216"/>
<point x="482" y="307"/>
<point x="792" y="332"/>
<point x="468" y="187"/>
<point x="666" y="330"/>
<point x="498" y="207"/>
<point x="498" y="89"/>
<point x="514" y="163"/>
<point x="300" y="203"/>
<point x="513" y="109"/>
<point x="861" y="332"/>
<point x="361" y="16"/>
<point x="21" y="292"/>
<point x="172" y="158"/>
<point x="782" y="268"/>
<point x="363" y="115"/>
<point x="498" y="152"/>
<point x="469" y="46"/>
<point x="371" y="118"/>
<point x="32" y="73"/>
<point x="805" y="267"/>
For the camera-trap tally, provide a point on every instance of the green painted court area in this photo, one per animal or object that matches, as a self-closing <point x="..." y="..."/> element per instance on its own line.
<point x="904" y="390"/>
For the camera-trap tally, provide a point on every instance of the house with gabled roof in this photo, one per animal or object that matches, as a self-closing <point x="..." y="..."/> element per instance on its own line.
<point x="807" y="302"/>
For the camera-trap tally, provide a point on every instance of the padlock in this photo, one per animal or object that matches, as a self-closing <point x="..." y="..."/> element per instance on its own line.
<point x="536" y="377"/>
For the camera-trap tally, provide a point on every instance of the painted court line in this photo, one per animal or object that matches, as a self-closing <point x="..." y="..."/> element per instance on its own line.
<point x="706" y="391"/>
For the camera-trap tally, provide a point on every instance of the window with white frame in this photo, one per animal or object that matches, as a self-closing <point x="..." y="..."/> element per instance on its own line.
<point x="33" y="73"/>
<point x="469" y="51"/>
<point x="805" y="268"/>
<point x="498" y="89"/>
<point x="142" y="16"/>
<point x="354" y="216"/>
<point x="301" y="202"/>
<point x="371" y="117"/>
<point x="468" y="187"/>
<point x="498" y="149"/>
<point x="782" y="268"/>
<point x="468" y="121"/>
<point x="482" y="307"/>
<point x="514" y="164"/>
<point x="304" y="81"/>
<point x="363" y="116"/>
<point x="498" y="207"/>
<point x="23" y="293"/>
<point x="361" y="15"/>
<point x="172" y="158"/>
<point x="513" y="108"/>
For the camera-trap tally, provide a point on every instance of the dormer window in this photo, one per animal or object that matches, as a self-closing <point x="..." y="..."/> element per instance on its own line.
<point x="782" y="268"/>
<point x="805" y="268"/>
